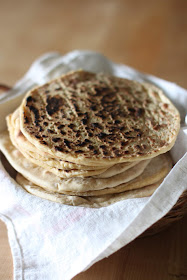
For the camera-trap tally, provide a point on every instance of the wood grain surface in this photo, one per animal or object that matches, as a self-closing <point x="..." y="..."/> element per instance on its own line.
<point x="148" y="35"/>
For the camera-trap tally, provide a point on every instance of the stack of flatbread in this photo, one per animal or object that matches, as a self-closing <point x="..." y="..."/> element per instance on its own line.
<point x="91" y="139"/>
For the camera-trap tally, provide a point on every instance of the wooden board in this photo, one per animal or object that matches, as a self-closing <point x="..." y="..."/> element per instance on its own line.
<point x="148" y="35"/>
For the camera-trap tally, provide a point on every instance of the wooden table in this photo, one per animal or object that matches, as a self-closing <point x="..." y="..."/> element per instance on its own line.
<point x="148" y="35"/>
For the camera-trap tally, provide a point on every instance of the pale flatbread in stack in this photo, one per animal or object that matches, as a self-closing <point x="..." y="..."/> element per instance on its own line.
<point x="93" y="201"/>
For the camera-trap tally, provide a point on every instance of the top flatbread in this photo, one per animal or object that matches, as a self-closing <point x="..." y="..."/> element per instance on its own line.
<point x="95" y="119"/>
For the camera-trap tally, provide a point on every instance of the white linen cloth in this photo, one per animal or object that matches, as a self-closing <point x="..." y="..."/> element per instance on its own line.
<point x="53" y="241"/>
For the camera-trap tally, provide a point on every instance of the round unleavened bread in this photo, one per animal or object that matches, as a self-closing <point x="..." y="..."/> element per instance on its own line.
<point x="92" y="202"/>
<point x="50" y="181"/>
<point x="96" y="119"/>
<point x="20" y="142"/>
<point x="156" y="170"/>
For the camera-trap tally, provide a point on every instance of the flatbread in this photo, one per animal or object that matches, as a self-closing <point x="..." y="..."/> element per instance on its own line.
<point x="21" y="143"/>
<point x="50" y="181"/>
<point x="157" y="169"/>
<point x="93" y="202"/>
<point x="96" y="119"/>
